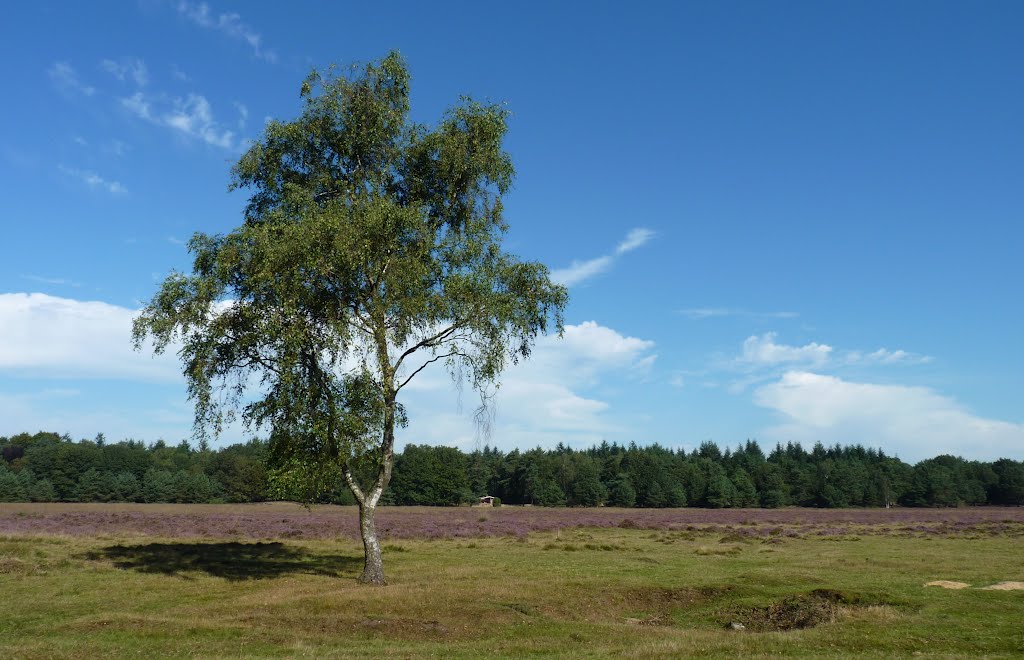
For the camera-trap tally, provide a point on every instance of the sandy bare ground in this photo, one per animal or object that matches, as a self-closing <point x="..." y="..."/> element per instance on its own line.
<point x="999" y="586"/>
<point x="1005" y="586"/>
<point x="947" y="584"/>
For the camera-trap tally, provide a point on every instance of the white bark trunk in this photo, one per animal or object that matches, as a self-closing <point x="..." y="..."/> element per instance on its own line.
<point x="373" y="563"/>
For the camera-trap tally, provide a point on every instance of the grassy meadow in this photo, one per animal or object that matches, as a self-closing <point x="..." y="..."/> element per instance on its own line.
<point x="252" y="580"/>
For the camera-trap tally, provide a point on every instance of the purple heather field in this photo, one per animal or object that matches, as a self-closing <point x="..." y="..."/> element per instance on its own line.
<point x="282" y="520"/>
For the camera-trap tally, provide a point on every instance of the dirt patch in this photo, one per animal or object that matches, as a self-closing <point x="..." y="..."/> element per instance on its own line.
<point x="1005" y="586"/>
<point x="792" y="613"/>
<point x="947" y="584"/>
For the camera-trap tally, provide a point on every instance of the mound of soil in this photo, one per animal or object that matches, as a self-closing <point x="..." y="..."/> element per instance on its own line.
<point x="792" y="613"/>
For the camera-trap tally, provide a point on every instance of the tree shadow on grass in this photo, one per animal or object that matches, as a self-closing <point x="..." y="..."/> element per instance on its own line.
<point x="231" y="561"/>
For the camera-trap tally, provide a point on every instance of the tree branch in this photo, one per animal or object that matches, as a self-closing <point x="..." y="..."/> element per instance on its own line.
<point x="427" y="342"/>
<point x="424" y="366"/>
<point x="352" y="485"/>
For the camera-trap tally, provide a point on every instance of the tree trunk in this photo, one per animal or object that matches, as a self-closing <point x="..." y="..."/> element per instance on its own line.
<point x="373" y="564"/>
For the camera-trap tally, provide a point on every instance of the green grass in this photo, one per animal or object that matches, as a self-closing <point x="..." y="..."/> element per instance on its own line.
<point x="577" y="593"/>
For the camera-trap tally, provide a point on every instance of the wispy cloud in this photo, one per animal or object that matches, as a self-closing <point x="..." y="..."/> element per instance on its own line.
<point x="138" y="106"/>
<point x="127" y="68"/>
<point x="229" y="24"/>
<point x="634" y="239"/>
<point x="243" y="115"/>
<point x="178" y="74"/>
<point x="579" y="271"/>
<point x="701" y="313"/>
<point x="66" y="79"/>
<point x="885" y="356"/>
<point x="191" y="116"/>
<point x="57" y="281"/>
<point x="94" y="180"/>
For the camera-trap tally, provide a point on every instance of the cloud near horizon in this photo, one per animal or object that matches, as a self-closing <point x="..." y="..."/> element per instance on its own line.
<point x="549" y="398"/>
<point x="827" y="409"/>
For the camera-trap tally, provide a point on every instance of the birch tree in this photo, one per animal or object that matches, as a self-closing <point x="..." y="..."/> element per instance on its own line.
<point x="370" y="251"/>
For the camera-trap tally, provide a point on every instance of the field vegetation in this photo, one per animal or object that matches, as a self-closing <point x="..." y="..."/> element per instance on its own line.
<point x="280" y="580"/>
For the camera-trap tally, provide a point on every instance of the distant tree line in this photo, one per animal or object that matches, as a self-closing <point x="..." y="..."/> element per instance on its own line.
<point x="46" y="467"/>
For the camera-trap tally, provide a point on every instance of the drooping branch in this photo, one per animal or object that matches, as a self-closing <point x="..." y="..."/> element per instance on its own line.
<point x="426" y="364"/>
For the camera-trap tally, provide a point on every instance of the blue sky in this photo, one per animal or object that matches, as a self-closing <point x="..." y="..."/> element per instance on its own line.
<point x="779" y="221"/>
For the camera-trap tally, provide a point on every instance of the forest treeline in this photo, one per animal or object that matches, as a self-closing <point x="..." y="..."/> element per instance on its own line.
<point x="47" y="467"/>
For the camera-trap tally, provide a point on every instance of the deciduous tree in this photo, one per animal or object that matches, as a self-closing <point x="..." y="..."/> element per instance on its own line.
<point x="371" y="249"/>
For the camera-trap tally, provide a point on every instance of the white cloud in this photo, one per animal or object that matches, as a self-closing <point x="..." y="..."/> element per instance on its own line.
<point x="127" y="68"/>
<point x="553" y="397"/>
<point x="66" y="79"/>
<point x="229" y="24"/>
<point x="885" y="356"/>
<point x="191" y="116"/>
<point x="914" y="422"/>
<point x="138" y="106"/>
<point x="763" y="351"/>
<point x="194" y="117"/>
<point x="94" y="180"/>
<point x="634" y="239"/>
<point x="590" y="342"/>
<point x="579" y="271"/>
<point x="46" y="336"/>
